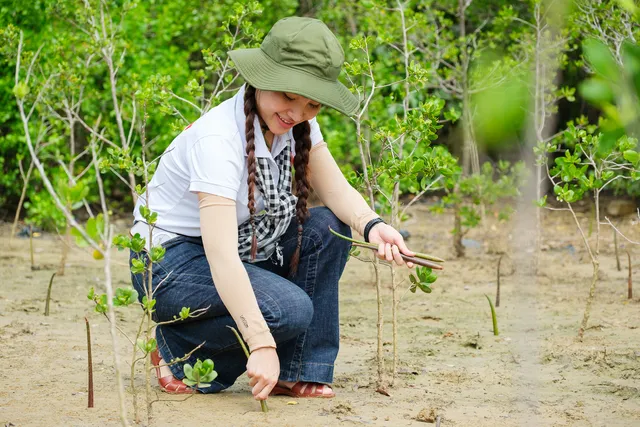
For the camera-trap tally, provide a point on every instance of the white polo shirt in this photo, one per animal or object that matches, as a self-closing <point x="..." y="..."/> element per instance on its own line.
<point x="209" y="156"/>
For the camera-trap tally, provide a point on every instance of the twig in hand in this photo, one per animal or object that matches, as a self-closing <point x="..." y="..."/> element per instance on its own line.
<point x="263" y="404"/>
<point x="498" y="287"/>
<point x="46" y="306"/>
<point x="424" y="260"/>
<point x="90" y="364"/>
<point x="630" y="296"/>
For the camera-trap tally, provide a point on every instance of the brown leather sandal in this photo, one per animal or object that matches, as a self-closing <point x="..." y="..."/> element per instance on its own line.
<point x="303" y="389"/>
<point x="168" y="384"/>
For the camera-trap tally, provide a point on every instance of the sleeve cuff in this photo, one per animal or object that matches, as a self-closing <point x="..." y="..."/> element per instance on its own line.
<point x="260" y="340"/>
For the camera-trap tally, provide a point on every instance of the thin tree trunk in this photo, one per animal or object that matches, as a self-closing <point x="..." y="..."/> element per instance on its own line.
<point x="66" y="244"/>
<point x="457" y="233"/>
<point x="20" y="202"/>
<point x="596" y="268"/>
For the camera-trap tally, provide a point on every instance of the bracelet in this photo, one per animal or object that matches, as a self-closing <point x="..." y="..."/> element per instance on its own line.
<point x="370" y="225"/>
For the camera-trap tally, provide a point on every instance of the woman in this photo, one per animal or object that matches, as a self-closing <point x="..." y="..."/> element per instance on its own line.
<point x="239" y="243"/>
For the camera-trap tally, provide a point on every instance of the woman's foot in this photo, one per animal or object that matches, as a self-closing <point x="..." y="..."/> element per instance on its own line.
<point x="166" y="380"/>
<point x="303" y="389"/>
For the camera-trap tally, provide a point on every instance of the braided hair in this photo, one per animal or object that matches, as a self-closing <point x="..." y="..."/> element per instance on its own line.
<point x="301" y="134"/>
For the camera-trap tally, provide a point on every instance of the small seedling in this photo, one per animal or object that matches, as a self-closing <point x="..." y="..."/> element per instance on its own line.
<point x="422" y="279"/>
<point x="199" y="375"/>
<point x="263" y="404"/>
<point x="494" y="317"/>
<point x="46" y="306"/>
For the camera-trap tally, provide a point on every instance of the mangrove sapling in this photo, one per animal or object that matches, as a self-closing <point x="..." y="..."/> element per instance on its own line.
<point x="46" y="306"/>
<point x="494" y="317"/>
<point x="199" y="375"/>
<point x="263" y="403"/>
<point x="629" y="283"/>
<point x="395" y="156"/>
<point x="22" y="89"/>
<point x="89" y="365"/>
<point x="589" y="167"/>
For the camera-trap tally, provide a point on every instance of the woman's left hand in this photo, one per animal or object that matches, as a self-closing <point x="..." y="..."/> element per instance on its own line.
<point x="390" y="244"/>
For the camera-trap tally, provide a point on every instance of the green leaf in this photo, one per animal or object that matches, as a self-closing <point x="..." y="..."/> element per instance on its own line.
<point x="125" y="297"/>
<point x="157" y="254"/>
<point x="184" y="313"/>
<point x="601" y="59"/>
<point x="137" y="266"/>
<point x="631" y="156"/>
<point x="597" y="91"/>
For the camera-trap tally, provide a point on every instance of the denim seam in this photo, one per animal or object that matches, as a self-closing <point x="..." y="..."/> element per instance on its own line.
<point x="173" y="367"/>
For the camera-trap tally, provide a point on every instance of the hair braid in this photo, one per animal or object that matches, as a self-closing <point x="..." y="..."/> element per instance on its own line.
<point x="301" y="133"/>
<point x="250" y="112"/>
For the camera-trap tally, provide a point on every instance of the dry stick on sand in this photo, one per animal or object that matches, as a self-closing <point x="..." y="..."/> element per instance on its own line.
<point x="263" y="404"/>
<point x="615" y="245"/>
<point x="33" y="266"/>
<point x="90" y="364"/>
<point x="46" y="306"/>
<point x="498" y="287"/>
<point x="630" y="284"/>
<point x="424" y="260"/>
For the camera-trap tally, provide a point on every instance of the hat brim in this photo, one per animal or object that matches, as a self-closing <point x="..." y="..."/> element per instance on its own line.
<point x="264" y="73"/>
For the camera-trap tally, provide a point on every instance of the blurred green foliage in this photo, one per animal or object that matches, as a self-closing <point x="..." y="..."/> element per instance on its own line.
<point x="173" y="51"/>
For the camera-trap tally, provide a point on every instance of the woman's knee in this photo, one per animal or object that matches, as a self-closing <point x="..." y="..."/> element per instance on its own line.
<point x="288" y="315"/>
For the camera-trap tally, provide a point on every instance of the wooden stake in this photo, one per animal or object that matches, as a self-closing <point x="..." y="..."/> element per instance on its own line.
<point x="46" y="306"/>
<point x="630" y="296"/>
<point x="615" y="244"/>
<point x="498" y="287"/>
<point x="33" y="265"/>
<point x="90" y="364"/>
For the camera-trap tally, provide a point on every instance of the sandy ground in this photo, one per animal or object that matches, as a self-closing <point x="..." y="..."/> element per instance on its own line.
<point x="534" y="373"/>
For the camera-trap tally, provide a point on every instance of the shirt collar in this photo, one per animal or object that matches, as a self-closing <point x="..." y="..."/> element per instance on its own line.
<point x="261" y="145"/>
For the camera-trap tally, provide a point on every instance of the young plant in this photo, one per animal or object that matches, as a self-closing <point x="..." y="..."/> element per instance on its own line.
<point x="589" y="166"/>
<point x="494" y="317"/>
<point x="263" y="403"/>
<point x="46" y="306"/>
<point x="470" y="195"/>
<point x="401" y="144"/>
<point x="422" y="279"/>
<point x="29" y="90"/>
<point x="199" y="375"/>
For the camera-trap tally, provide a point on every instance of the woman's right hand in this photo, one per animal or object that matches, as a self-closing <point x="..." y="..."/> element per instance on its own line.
<point x="263" y="369"/>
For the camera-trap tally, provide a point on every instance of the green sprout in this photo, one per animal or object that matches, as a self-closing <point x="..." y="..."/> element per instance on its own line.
<point x="199" y="375"/>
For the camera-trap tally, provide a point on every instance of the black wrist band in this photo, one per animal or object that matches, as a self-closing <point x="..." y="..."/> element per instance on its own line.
<point x="369" y="226"/>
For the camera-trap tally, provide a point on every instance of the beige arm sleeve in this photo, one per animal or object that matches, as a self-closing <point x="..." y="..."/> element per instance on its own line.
<point x="334" y="190"/>
<point x="219" y="226"/>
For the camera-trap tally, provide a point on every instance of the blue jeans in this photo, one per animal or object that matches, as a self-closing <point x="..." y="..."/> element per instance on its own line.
<point x="301" y="311"/>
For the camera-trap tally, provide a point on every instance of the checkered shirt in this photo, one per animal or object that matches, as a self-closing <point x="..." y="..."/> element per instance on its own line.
<point x="280" y="207"/>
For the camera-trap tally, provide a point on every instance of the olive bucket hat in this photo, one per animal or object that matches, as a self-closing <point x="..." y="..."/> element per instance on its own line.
<point x="302" y="56"/>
